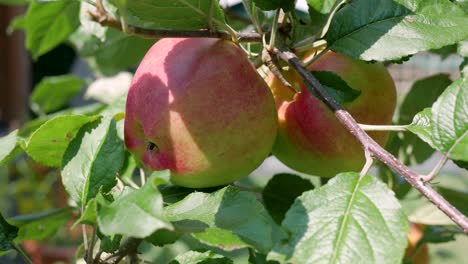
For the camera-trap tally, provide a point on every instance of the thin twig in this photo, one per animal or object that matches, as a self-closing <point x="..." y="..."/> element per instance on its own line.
<point x="383" y="128"/>
<point x="373" y="147"/>
<point x="252" y="17"/>
<point x="170" y="33"/>
<point x="430" y="176"/>
<point x="273" y="65"/>
<point x="89" y="253"/>
<point x="128" y="248"/>
<point x="367" y="165"/>
<point x="210" y="17"/>
<point x="22" y="253"/>
<point x="85" y="236"/>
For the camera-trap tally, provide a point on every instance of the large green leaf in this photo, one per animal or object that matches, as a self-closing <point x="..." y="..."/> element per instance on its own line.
<point x="349" y="220"/>
<point x="55" y="92"/>
<point x="169" y="14"/>
<point x="389" y="30"/>
<point x="450" y="120"/>
<point x="227" y="218"/>
<point x="8" y="233"/>
<point x="48" y="23"/>
<point x="135" y="213"/>
<point x="48" y="143"/>
<point x="40" y="226"/>
<point x="92" y="160"/>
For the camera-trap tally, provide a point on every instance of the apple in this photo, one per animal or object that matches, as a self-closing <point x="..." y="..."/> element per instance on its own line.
<point x="310" y="138"/>
<point x="413" y="254"/>
<point x="199" y="108"/>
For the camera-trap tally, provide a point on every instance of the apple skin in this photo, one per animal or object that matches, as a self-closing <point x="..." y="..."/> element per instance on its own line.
<point x="199" y="108"/>
<point x="310" y="138"/>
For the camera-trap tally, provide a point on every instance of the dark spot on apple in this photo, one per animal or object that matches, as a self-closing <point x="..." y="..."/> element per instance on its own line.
<point x="151" y="146"/>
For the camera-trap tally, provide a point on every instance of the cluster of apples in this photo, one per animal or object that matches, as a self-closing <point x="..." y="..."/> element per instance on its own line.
<point x="199" y="108"/>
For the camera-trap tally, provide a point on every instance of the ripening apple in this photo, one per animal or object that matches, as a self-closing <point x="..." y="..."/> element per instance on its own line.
<point x="198" y="108"/>
<point x="413" y="253"/>
<point x="310" y="138"/>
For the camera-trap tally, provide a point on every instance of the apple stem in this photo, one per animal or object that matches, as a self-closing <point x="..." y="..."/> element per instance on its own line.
<point x="142" y="177"/>
<point x="370" y="145"/>
<point x="383" y="128"/>
<point x="272" y="64"/>
<point x="274" y="30"/>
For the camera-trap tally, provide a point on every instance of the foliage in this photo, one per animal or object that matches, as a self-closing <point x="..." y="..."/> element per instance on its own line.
<point x="135" y="213"/>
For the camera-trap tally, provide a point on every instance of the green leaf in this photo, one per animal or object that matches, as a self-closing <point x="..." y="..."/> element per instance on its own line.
<point x="421" y="211"/>
<point x="422" y="126"/>
<point x="408" y="147"/>
<point x="48" y="143"/>
<point x="169" y="14"/>
<point x="8" y="233"/>
<point x="135" y="213"/>
<point x="109" y="244"/>
<point x="462" y="48"/>
<point x="389" y="30"/>
<point x="287" y="5"/>
<point x="163" y="237"/>
<point x="322" y="6"/>
<point x="48" y="23"/>
<point x="450" y="121"/>
<point x="463" y="4"/>
<point x="461" y="164"/>
<point x="105" y="55"/>
<point x="55" y="92"/>
<point x="281" y="191"/>
<point x="445" y="51"/>
<point x="439" y="234"/>
<point x="227" y="218"/>
<point x="173" y="193"/>
<point x="422" y="94"/>
<point x="194" y="257"/>
<point x="89" y="216"/>
<point x="464" y="68"/>
<point x="329" y="224"/>
<point x="33" y="125"/>
<point x="92" y="160"/>
<point x="8" y="146"/>
<point x="459" y="199"/>
<point x="336" y="86"/>
<point x="41" y="225"/>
